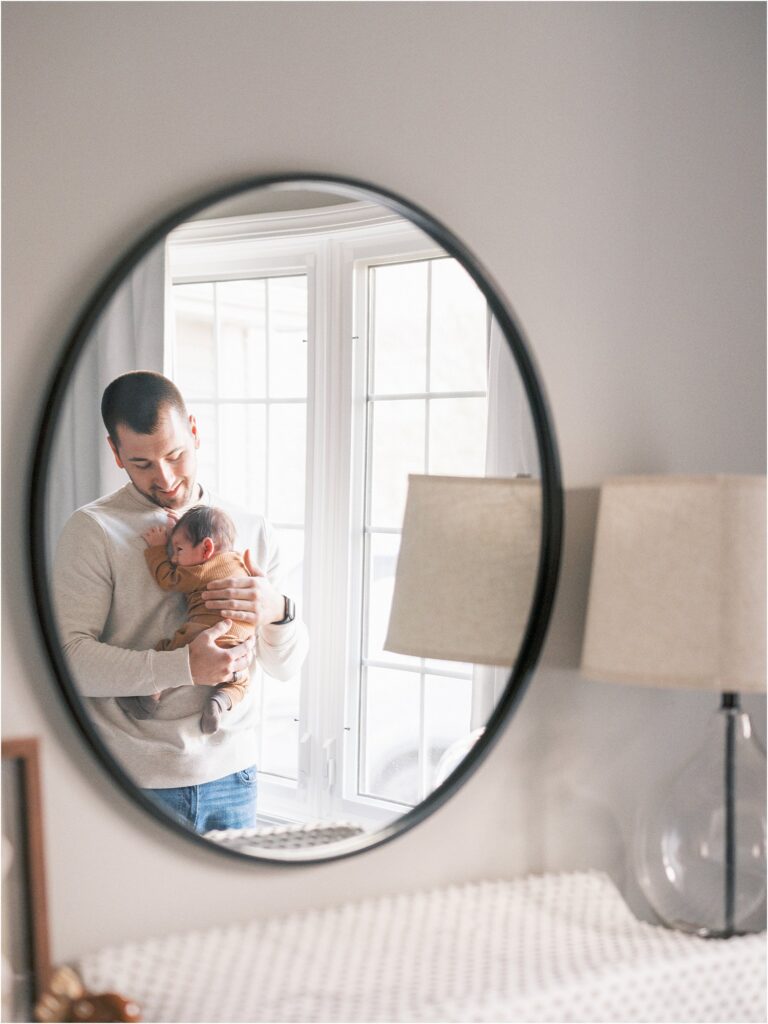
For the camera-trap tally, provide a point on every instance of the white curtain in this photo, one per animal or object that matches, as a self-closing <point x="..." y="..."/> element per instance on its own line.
<point x="128" y="336"/>
<point x="510" y="451"/>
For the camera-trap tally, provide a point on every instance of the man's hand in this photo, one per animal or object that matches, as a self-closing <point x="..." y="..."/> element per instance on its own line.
<point x="211" y="665"/>
<point x="246" y="598"/>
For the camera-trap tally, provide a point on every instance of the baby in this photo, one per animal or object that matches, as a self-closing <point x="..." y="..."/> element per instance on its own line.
<point x="184" y="558"/>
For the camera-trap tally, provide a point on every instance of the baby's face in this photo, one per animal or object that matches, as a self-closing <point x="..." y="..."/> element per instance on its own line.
<point x="184" y="552"/>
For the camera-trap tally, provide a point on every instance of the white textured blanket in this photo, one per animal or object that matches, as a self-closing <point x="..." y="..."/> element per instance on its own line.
<point x="545" y="948"/>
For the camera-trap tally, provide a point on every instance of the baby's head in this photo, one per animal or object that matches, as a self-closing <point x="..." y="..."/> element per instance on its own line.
<point x="200" y="534"/>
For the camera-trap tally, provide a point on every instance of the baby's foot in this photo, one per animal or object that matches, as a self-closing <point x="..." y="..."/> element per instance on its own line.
<point x="209" y="722"/>
<point x="212" y="712"/>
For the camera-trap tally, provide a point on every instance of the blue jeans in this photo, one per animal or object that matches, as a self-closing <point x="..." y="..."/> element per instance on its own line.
<point x="224" y="803"/>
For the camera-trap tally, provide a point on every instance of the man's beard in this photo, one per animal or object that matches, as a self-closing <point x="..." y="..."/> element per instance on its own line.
<point x="183" y="496"/>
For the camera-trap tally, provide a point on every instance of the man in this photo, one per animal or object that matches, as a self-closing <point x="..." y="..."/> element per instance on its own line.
<point x="111" y="614"/>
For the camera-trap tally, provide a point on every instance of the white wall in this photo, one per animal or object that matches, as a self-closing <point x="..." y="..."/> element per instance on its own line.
<point x="605" y="161"/>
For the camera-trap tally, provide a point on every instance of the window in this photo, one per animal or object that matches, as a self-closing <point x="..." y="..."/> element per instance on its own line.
<point x="426" y="413"/>
<point x="240" y="360"/>
<point x="325" y="364"/>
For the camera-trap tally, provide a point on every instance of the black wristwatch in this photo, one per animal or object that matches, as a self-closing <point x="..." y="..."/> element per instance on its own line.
<point x="290" y="613"/>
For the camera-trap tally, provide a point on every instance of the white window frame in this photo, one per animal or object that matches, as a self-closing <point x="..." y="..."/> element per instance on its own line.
<point x="334" y="246"/>
<point x="224" y="250"/>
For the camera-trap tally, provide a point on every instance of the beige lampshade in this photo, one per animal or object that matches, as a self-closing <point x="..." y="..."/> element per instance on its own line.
<point x="467" y="568"/>
<point x="678" y="595"/>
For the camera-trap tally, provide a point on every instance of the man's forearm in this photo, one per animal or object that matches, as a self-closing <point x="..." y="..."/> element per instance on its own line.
<point x="84" y="594"/>
<point x="100" y="670"/>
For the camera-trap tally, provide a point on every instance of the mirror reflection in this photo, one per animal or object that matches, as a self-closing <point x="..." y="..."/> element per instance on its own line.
<point x="279" y="365"/>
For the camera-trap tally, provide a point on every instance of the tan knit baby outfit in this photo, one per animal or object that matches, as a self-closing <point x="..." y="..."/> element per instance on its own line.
<point x="192" y="580"/>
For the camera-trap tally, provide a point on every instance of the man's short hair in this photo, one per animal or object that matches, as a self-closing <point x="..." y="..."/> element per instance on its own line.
<point x="136" y="399"/>
<point x="206" y="521"/>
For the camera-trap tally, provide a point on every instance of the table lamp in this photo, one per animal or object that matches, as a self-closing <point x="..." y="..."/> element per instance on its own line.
<point x="677" y="599"/>
<point x="465" y="579"/>
<point x="466" y="569"/>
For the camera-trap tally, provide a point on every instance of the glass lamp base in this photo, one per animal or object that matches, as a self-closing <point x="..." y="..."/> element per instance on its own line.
<point x="700" y="842"/>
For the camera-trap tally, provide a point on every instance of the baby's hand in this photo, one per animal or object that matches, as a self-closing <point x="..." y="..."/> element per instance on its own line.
<point x="156" y="535"/>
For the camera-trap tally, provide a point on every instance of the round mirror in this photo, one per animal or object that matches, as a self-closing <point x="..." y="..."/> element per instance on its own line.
<point x="296" y="518"/>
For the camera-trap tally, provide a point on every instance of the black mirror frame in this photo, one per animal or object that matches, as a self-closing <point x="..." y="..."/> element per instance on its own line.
<point x="552" y="500"/>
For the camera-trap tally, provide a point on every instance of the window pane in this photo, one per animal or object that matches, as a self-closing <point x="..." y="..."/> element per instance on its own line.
<point x="398" y="449"/>
<point x="447" y="714"/>
<point x="287" y="445"/>
<point x="459" y="330"/>
<point x="242" y="326"/>
<point x="391" y="735"/>
<point x="242" y="465"/>
<point x="457" y="436"/>
<point x="288" y="337"/>
<point x="279" y="752"/>
<point x="195" y="356"/>
<point x="208" y="452"/>
<point x="382" y="562"/>
<point x="399" y="328"/>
